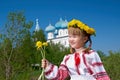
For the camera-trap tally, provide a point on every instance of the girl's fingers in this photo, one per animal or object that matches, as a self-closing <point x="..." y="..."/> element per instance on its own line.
<point x="44" y="63"/>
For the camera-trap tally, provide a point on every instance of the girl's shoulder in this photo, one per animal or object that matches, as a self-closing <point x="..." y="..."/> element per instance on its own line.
<point x="69" y="55"/>
<point x="92" y="53"/>
<point x="66" y="58"/>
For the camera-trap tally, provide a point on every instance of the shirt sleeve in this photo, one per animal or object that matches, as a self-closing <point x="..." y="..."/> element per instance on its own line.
<point x="52" y="72"/>
<point x="100" y="73"/>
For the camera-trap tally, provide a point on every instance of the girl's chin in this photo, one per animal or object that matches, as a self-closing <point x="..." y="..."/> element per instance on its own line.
<point x="73" y="46"/>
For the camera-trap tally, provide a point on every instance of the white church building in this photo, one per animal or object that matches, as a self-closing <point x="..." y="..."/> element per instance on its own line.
<point x="57" y="33"/>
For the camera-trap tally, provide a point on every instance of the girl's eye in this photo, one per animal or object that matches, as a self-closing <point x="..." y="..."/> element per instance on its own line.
<point x="73" y="36"/>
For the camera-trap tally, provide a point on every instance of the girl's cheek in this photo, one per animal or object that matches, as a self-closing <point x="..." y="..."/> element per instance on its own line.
<point x="69" y="41"/>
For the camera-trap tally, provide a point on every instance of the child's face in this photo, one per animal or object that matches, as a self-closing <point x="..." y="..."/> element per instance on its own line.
<point x="76" y="41"/>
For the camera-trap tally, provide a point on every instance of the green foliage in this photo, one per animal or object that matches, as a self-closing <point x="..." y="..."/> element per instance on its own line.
<point x="101" y="54"/>
<point x="112" y="65"/>
<point x="56" y="52"/>
<point x="39" y="36"/>
<point x="13" y="60"/>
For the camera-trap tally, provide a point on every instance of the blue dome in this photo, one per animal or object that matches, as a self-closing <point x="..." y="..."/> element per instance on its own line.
<point x="50" y="28"/>
<point x="64" y="24"/>
<point x="61" y="24"/>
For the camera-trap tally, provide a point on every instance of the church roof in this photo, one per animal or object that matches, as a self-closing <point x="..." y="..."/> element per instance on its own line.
<point x="64" y="24"/>
<point x="61" y="24"/>
<point x="37" y="28"/>
<point x="50" y="28"/>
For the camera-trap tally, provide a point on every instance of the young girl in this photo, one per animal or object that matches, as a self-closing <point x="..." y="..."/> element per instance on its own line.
<point x="82" y="63"/>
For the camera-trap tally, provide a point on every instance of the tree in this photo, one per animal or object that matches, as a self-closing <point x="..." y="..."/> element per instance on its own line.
<point x="101" y="54"/>
<point x="112" y="65"/>
<point x="39" y="36"/>
<point x="15" y="31"/>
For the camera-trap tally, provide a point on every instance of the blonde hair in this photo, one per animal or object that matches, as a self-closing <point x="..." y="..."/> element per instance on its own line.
<point x="78" y="31"/>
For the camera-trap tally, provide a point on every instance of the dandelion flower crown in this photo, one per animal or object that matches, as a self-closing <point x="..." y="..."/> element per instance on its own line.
<point x="76" y="23"/>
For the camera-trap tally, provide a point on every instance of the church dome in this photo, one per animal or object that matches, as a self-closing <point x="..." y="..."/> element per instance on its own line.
<point x="50" y="28"/>
<point x="64" y="24"/>
<point x="61" y="24"/>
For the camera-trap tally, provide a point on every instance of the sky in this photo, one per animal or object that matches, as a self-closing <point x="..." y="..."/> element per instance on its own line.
<point x="102" y="15"/>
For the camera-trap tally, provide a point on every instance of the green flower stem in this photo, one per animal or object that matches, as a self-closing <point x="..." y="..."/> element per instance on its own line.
<point x="41" y="77"/>
<point x="43" y="52"/>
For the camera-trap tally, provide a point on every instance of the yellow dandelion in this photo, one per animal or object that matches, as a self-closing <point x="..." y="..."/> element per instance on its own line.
<point x="38" y="44"/>
<point x="91" y="31"/>
<point x="71" y="23"/>
<point x="45" y="44"/>
<point x="86" y="28"/>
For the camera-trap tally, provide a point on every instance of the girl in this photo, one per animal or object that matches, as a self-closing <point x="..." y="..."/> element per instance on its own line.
<point x="83" y="63"/>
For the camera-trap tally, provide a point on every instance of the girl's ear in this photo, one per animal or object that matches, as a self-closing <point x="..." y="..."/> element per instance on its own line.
<point x="85" y="39"/>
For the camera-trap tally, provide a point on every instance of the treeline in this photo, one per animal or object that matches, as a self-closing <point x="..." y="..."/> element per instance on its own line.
<point x="112" y="64"/>
<point x="19" y="59"/>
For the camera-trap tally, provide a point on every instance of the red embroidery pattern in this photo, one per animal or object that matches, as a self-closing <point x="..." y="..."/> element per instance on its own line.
<point x="51" y="69"/>
<point x="89" y="69"/>
<point x="97" y="64"/>
<point x="77" y="61"/>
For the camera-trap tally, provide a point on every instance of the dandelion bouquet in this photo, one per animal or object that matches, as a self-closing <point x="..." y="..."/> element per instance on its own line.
<point x="41" y="47"/>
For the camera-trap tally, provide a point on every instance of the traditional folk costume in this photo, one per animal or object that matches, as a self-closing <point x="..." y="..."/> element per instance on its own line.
<point x="83" y="66"/>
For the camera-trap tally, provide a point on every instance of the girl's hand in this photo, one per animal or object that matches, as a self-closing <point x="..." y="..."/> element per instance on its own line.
<point x="44" y="63"/>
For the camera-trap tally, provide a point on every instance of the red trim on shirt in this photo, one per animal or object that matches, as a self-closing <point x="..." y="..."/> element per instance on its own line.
<point x="49" y="71"/>
<point x="62" y="74"/>
<point x="64" y="66"/>
<point x="66" y="59"/>
<point x="102" y="76"/>
<point x="97" y="64"/>
<point x="84" y="60"/>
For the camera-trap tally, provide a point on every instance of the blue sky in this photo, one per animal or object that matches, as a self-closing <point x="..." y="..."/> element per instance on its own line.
<point x="102" y="15"/>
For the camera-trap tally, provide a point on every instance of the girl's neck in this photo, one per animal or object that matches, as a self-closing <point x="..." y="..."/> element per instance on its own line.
<point x="79" y="49"/>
